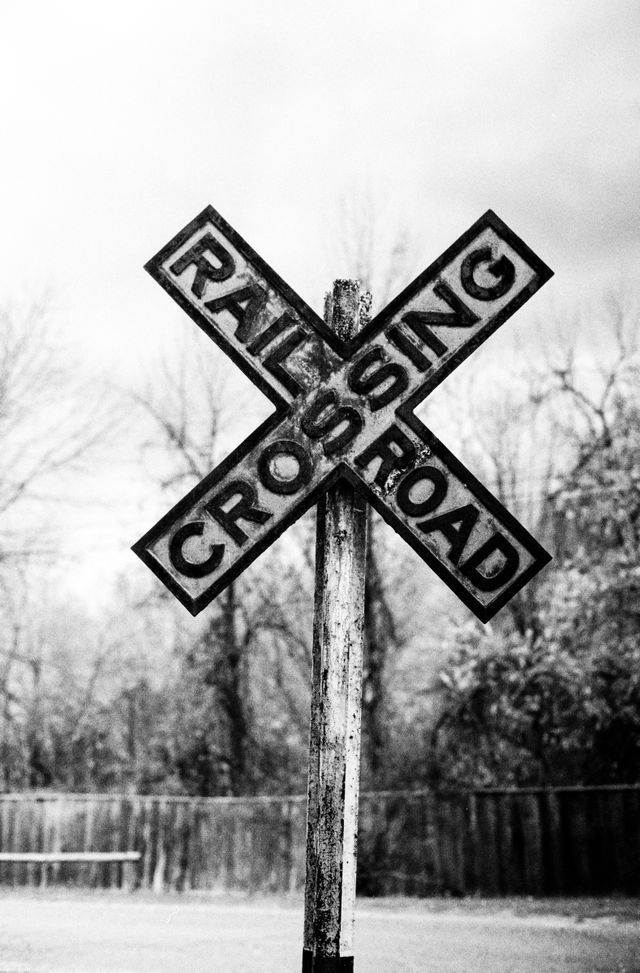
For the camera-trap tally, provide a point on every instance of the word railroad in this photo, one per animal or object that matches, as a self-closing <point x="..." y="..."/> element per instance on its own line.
<point x="345" y="408"/>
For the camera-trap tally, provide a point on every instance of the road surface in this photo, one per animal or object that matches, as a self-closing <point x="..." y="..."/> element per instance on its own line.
<point x="66" y="932"/>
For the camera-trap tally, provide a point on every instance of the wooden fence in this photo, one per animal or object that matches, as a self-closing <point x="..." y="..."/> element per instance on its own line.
<point x="571" y="841"/>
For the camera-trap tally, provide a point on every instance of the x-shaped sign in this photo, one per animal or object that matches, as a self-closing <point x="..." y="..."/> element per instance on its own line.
<point x="345" y="408"/>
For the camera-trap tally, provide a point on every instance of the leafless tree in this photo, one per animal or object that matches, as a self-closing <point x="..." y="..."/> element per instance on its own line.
<point x="189" y="429"/>
<point x="372" y="248"/>
<point x="55" y="423"/>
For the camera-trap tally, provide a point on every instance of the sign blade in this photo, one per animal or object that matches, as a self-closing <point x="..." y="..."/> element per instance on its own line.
<point x="459" y="301"/>
<point x="481" y="552"/>
<point x="245" y="307"/>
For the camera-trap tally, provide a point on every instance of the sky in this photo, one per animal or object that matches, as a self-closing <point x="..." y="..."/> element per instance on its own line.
<point x="121" y="122"/>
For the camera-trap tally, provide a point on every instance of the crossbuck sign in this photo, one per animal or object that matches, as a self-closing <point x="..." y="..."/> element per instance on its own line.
<point x="345" y="408"/>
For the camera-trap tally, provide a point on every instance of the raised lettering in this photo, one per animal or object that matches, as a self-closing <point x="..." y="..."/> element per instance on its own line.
<point x="324" y="415"/>
<point x="502" y="269"/>
<point x="403" y="343"/>
<point x="465" y="517"/>
<point x="418" y="508"/>
<point x="204" y="269"/>
<point x="253" y="296"/>
<point x="498" y="544"/>
<point x="391" y="460"/>
<point x="460" y="316"/>
<point x="273" y="361"/>
<point x="193" y="569"/>
<point x="244" y="509"/>
<point x="260" y="342"/>
<point x="363" y="379"/>
<point x="277" y="482"/>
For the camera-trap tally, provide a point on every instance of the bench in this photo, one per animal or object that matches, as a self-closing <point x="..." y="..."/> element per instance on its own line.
<point x="45" y="858"/>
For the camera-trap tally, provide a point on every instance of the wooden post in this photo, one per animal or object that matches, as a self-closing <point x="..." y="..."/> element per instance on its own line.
<point x="334" y="748"/>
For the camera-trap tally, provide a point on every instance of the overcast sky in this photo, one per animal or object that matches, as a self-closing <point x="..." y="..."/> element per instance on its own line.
<point x="121" y="121"/>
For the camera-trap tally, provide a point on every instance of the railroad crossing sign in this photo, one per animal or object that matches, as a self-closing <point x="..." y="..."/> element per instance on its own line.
<point x="345" y="409"/>
<point x="345" y="401"/>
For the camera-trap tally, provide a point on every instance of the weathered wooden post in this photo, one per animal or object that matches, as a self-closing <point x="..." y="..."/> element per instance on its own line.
<point x="344" y="433"/>
<point x="334" y="739"/>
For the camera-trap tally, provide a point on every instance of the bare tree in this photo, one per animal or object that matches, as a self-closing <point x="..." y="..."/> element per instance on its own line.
<point x="372" y="248"/>
<point x="55" y="422"/>
<point x="189" y="429"/>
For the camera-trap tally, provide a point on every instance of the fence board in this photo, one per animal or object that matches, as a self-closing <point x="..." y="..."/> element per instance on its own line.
<point x="616" y="829"/>
<point x="632" y="844"/>
<point x="190" y="854"/>
<point x="581" y="850"/>
<point x="488" y="845"/>
<point x="507" y="876"/>
<point x="553" y="864"/>
<point x="433" y="832"/>
<point x="470" y="849"/>
<point x="532" y="843"/>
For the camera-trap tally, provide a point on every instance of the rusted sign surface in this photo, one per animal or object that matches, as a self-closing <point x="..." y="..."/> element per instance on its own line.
<point x="345" y="409"/>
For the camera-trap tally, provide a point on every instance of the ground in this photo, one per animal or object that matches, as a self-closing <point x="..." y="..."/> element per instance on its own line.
<point x="79" y="932"/>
